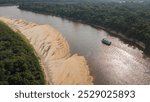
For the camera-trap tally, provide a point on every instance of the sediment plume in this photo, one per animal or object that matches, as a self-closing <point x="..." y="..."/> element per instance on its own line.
<point x="59" y="66"/>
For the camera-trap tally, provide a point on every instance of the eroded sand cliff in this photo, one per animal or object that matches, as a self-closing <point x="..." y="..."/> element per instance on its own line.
<point x="59" y="65"/>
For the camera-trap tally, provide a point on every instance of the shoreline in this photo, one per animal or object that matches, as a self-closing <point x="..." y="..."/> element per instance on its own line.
<point x="60" y="67"/>
<point x="122" y="37"/>
<point x="131" y="41"/>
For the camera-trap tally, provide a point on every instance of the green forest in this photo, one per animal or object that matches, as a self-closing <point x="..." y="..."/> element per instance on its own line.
<point x="130" y="19"/>
<point x="18" y="62"/>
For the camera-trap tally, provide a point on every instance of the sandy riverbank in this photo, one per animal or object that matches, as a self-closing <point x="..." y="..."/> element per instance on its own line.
<point x="60" y="67"/>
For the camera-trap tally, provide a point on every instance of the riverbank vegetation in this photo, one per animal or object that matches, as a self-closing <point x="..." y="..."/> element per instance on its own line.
<point x="132" y="19"/>
<point x="18" y="62"/>
<point x="128" y="17"/>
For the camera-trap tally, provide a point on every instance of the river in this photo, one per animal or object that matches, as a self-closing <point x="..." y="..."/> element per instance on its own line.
<point x="120" y="63"/>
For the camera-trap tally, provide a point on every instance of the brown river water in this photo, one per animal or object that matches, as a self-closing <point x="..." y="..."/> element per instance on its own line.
<point x="120" y="63"/>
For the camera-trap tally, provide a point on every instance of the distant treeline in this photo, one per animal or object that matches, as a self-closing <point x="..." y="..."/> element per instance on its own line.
<point x="42" y="1"/>
<point x="18" y="62"/>
<point x="68" y="1"/>
<point x="130" y="19"/>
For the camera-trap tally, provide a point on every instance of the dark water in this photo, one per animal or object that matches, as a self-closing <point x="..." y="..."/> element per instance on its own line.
<point x="119" y="63"/>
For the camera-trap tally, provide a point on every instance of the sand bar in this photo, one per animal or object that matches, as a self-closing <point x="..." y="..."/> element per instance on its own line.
<point x="59" y="66"/>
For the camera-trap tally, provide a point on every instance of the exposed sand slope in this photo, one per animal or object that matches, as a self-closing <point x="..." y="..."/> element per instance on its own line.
<point x="53" y="50"/>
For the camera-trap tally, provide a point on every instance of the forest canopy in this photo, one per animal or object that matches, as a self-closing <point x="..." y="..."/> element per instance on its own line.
<point x="18" y="62"/>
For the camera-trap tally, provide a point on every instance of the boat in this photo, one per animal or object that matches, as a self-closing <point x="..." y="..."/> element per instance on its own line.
<point x="105" y="41"/>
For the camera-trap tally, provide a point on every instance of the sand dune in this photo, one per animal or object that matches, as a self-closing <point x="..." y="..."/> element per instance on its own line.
<point x="59" y="65"/>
